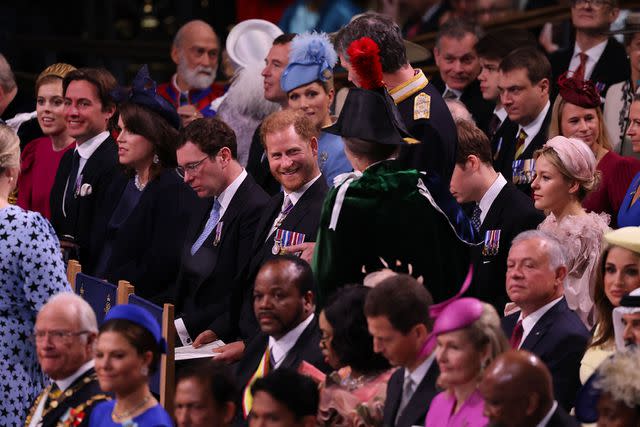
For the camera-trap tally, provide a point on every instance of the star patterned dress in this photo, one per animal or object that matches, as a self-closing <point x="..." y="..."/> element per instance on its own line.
<point x="31" y="271"/>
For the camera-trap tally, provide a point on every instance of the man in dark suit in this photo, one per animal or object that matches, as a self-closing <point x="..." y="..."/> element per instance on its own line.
<point x="421" y="106"/>
<point x="459" y="68"/>
<point x="594" y="56"/>
<point x="518" y="392"/>
<point x="524" y="82"/>
<point x="85" y="173"/>
<point x="500" y="212"/>
<point x="545" y="325"/>
<point x="65" y="334"/>
<point x="397" y="311"/>
<point x="218" y="243"/>
<point x="283" y="303"/>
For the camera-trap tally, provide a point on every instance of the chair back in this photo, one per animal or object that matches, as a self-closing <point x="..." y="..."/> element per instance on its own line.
<point x="100" y="295"/>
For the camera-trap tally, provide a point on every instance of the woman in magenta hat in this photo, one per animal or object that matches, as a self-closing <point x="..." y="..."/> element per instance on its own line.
<point x="468" y="336"/>
<point x="577" y="114"/>
<point x="128" y="351"/>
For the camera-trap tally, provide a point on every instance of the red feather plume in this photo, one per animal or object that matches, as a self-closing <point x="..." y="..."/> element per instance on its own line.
<point x="364" y="57"/>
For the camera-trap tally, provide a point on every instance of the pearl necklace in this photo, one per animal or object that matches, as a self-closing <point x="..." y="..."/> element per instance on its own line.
<point x="127" y="414"/>
<point x="138" y="184"/>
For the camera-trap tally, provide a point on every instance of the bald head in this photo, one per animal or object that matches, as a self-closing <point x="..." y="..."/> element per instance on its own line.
<point x="517" y="389"/>
<point x="196" y="49"/>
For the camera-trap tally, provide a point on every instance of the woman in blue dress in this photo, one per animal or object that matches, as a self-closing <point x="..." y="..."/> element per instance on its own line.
<point x="629" y="213"/>
<point x="128" y="351"/>
<point x="308" y="81"/>
<point x="31" y="271"/>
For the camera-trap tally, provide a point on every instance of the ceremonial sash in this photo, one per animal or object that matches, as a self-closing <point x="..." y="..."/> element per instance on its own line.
<point x="263" y="369"/>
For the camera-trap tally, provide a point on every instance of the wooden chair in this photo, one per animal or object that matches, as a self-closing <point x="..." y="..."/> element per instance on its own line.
<point x="73" y="268"/>
<point x="162" y="383"/>
<point x="100" y="294"/>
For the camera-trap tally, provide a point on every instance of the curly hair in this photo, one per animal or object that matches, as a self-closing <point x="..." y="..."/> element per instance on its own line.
<point x="620" y="377"/>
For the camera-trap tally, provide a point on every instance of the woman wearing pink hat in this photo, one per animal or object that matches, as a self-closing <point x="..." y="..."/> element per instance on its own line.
<point x="469" y="336"/>
<point x="565" y="173"/>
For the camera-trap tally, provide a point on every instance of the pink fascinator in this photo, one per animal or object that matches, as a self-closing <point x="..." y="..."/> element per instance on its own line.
<point x="576" y="156"/>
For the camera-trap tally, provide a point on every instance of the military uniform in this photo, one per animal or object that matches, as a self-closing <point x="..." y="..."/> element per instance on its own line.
<point x="427" y="118"/>
<point x="70" y="407"/>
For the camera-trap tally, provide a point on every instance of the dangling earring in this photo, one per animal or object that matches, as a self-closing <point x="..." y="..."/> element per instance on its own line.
<point x="156" y="159"/>
<point x="144" y="371"/>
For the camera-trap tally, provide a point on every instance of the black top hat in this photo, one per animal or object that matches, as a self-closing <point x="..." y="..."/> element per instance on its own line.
<point x="371" y="116"/>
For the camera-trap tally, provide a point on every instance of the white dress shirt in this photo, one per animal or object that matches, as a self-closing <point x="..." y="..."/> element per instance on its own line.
<point x="490" y="196"/>
<point x="593" y="56"/>
<point x="227" y="194"/>
<point x="293" y="197"/>
<point x="280" y="348"/>
<point x="87" y="148"/>
<point x="530" y="321"/>
<point x="534" y="127"/>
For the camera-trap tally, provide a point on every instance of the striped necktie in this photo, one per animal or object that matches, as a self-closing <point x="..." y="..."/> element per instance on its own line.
<point x="522" y="137"/>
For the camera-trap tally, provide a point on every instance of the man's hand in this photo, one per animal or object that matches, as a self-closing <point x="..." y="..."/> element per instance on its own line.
<point x="306" y="249"/>
<point x="204" y="338"/>
<point x="230" y="353"/>
<point x="188" y="113"/>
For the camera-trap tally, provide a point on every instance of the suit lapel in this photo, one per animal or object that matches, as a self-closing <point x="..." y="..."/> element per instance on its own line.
<point x="294" y="356"/>
<point x="394" y="392"/>
<point x="492" y="219"/>
<point x="299" y="211"/>
<point x="422" y="397"/>
<point x="266" y="222"/>
<point x="540" y="328"/>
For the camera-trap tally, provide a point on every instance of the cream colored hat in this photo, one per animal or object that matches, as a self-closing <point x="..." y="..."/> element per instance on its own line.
<point x="626" y="237"/>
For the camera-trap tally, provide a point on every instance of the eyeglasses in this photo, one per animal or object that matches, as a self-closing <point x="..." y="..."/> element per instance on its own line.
<point x="190" y="168"/>
<point x="56" y="336"/>
<point x="595" y="3"/>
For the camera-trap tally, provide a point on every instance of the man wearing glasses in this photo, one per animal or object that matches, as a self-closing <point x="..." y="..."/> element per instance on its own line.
<point x="221" y="229"/>
<point x="594" y="56"/>
<point x="64" y="334"/>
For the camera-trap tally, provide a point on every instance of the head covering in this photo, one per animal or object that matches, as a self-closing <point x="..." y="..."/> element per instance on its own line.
<point x="378" y="119"/>
<point x="575" y="155"/>
<point x="631" y="24"/>
<point x="629" y="303"/>
<point x="582" y="93"/>
<point x="143" y="92"/>
<point x="249" y="42"/>
<point x="140" y="317"/>
<point x="312" y="58"/>
<point x="625" y="237"/>
<point x="59" y="70"/>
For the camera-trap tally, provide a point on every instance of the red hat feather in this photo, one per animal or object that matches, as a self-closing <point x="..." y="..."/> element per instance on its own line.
<point x="364" y="57"/>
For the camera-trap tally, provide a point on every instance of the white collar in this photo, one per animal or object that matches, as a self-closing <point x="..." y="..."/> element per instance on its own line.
<point x="280" y="348"/>
<point x="87" y="148"/>
<point x="501" y="112"/>
<point x="547" y="417"/>
<point x="594" y="53"/>
<point x="530" y="321"/>
<point x="534" y="127"/>
<point x="490" y="196"/>
<point x="458" y="93"/>
<point x="419" y="373"/>
<point x="65" y="383"/>
<point x="227" y="194"/>
<point x="296" y="195"/>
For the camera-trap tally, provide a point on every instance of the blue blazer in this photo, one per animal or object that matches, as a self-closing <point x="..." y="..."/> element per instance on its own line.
<point x="559" y="338"/>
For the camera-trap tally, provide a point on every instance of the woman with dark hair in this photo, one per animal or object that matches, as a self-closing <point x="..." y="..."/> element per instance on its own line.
<point x="617" y="274"/>
<point x="128" y="351"/>
<point x="353" y="395"/>
<point x="141" y="225"/>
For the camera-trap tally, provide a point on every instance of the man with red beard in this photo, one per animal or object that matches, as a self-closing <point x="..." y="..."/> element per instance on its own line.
<point x="283" y="303"/>
<point x="195" y="51"/>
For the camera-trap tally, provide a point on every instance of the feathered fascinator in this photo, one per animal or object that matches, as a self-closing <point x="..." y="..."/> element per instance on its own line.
<point x="143" y="92"/>
<point x="369" y="112"/>
<point x="582" y="93"/>
<point x="312" y="58"/>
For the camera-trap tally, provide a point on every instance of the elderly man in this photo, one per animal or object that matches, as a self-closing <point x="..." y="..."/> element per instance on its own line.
<point x="65" y="333"/>
<point x="544" y="325"/>
<point x="518" y="392"/>
<point x="626" y="320"/>
<point x="195" y="51"/>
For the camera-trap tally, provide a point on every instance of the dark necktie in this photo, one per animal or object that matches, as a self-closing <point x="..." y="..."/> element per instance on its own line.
<point x="72" y="180"/>
<point x="494" y="124"/>
<point x="475" y="217"/>
<point x="522" y="137"/>
<point x="578" y="74"/>
<point x="516" y="335"/>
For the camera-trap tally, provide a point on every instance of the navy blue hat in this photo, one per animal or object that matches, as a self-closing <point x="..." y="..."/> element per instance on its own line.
<point x="143" y="92"/>
<point x="312" y="58"/>
<point x="140" y="317"/>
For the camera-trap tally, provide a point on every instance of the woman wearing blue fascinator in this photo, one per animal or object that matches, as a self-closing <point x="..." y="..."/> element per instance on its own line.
<point x="137" y="234"/>
<point x="308" y="82"/>
<point x="128" y="351"/>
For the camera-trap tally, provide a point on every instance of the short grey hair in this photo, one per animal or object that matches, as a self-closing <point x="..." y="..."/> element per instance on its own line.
<point x="7" y="79"/>
<point x="554" y="247"/>
<point x="458" y="28"/>
<point x="80" y="309"/>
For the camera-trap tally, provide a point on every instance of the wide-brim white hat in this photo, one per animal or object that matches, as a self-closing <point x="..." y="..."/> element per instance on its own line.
<point x="249" y="41"/>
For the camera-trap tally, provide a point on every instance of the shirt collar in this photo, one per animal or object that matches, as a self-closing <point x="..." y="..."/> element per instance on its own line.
<point x="594" y="53"/>
<point x="530" y="321"/>
<point x="534" y="127"/>
<point x="227" y="194"/>
<point x="457" y="92"/>
<point x="280" y="348"/>
<point x="490" y="195"/>
<point x="296" y="195"/>
<point x="547" y="417"/>
<point x="418" y="374"/>
<point x="501" y="112"/>
<point x="87" y="148"/>
<point x="65" y="383"/>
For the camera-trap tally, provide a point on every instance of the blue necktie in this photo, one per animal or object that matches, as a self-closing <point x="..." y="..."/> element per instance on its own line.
<point x="214" y="217"/>
<point x="475" y="217"/>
